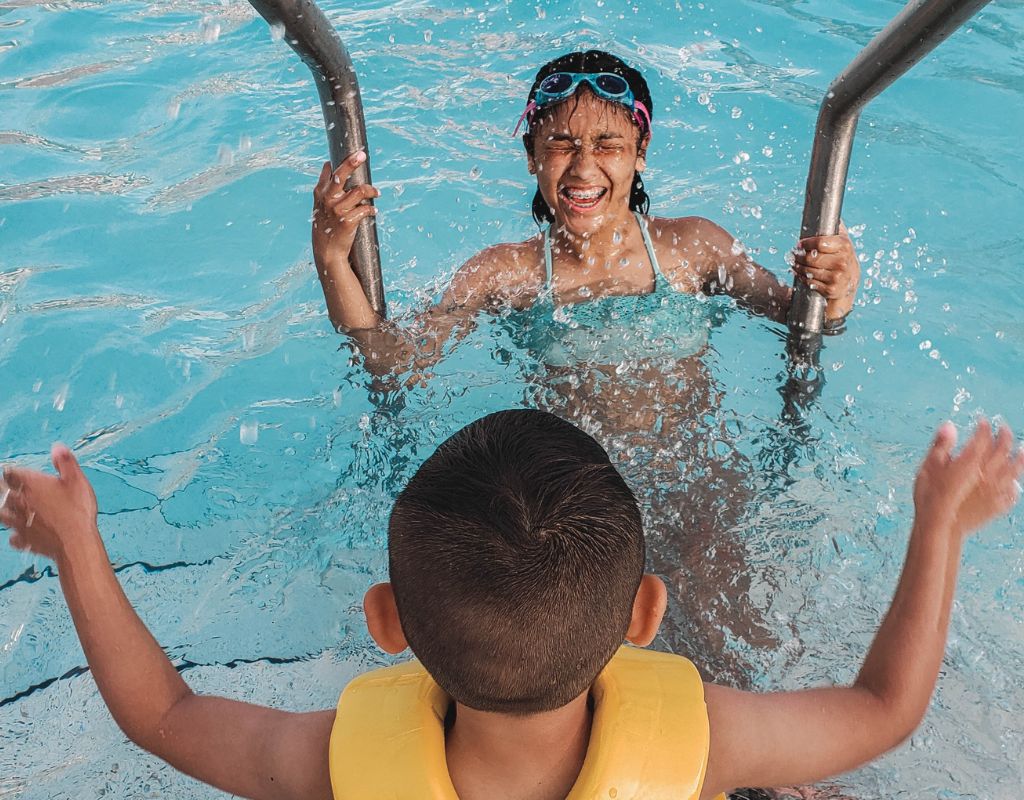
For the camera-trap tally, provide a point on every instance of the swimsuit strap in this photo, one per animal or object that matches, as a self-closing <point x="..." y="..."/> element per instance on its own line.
<point x="547" y="258"/>
<point x="641" y="220"/>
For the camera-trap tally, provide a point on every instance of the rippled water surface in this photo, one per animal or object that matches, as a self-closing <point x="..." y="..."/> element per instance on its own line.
<point x="158" y="310"/>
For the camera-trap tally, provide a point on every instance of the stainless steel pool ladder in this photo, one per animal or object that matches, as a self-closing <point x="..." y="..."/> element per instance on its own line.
<point x="309" y="33"/>
<point x="915" y="32"/>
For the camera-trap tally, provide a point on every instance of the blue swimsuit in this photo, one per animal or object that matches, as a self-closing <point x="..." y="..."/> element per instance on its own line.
<point x="662" y="325"/>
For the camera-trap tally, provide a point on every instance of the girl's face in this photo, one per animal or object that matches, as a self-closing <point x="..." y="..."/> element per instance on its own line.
<point x="585" y="153"/>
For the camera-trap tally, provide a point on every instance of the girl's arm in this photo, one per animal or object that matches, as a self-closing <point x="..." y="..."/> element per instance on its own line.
<point x="720" y="265"/>
<point x="491" y="277"/>
<point x="789" y="738"/>
<point x="244" y="749"/>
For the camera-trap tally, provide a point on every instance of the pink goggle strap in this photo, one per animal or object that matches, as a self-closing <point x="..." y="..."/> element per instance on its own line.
<point x="530" y="108"/>
<point x="642" y="109"/>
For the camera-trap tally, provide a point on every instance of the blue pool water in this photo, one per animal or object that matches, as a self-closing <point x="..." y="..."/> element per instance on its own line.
<point x="158" y="310"/>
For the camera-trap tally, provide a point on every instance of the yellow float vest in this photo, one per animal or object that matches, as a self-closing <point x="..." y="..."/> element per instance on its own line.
<point x="648" y="739"/>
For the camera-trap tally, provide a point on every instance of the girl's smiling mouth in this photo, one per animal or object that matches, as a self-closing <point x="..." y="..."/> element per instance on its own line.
<point x="581" y="198"/>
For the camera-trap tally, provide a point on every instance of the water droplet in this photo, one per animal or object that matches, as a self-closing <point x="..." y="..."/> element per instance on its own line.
<point x="276" y="31"/>
<point x="249" y="432"/>
<point x="427" y="36"/>
<point x="60" y="399"/>
<point x="209" y="30"/>
<point x="736" y="112"/>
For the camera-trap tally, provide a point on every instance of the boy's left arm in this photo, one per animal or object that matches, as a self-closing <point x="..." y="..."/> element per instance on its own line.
<point x="827" y="264"/>
<point x="785" y="738"/>
<point x="244" y="749"/>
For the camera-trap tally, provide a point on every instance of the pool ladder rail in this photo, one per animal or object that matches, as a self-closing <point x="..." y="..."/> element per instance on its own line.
<point x="310" y="34"/>
<point x="911" y="35"/>
<point x="920" y="27"/>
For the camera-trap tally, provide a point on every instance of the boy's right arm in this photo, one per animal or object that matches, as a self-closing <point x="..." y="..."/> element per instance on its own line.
<point x="244" y="749"/>
<point x="790" y="738"/>
<point x="336" y="216"/>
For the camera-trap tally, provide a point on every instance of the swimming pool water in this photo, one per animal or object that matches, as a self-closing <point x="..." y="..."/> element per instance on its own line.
<point x="158" y="311"/>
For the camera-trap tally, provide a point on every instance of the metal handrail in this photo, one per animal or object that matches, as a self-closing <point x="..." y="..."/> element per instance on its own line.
<point x="916" y="31"/>
<point x="309" y="33"/>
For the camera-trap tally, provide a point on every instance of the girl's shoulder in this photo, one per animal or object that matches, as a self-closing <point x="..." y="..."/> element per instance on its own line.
<point x="506" y="272"/>
<point x="686" y="248"/>
<point x="682" y="231"/>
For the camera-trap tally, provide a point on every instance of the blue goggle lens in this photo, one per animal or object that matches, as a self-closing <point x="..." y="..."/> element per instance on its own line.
<point x="559" y="82"/>
<point x="612" y="84"/>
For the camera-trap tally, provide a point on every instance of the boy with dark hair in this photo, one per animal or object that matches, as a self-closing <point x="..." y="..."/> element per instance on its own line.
<point x="516" y="563"/>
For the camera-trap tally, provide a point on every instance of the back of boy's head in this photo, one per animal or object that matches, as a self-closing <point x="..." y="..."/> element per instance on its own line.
<point x="516" y="551"/>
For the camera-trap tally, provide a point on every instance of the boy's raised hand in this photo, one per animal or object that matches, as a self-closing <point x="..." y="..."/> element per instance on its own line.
<point x="48" y="512"/>
<point x="974" y="486"/>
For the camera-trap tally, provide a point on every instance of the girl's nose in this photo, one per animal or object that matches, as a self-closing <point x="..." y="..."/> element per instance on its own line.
<point x="584" y="162"/>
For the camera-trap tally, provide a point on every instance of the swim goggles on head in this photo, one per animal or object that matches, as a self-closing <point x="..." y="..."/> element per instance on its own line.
<point x="561" y="86"/>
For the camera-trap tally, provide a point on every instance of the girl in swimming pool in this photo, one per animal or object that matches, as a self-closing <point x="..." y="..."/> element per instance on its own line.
<point x="616" y="359"/>
<point x="588" y="127"/>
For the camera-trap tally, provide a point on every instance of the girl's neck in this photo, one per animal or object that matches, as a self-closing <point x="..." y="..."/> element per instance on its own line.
<point x="602" y="245"/>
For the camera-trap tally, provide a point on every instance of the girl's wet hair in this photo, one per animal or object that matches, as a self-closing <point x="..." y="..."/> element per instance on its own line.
<point x="516" y="551"/>
<point x="591" y="61"/>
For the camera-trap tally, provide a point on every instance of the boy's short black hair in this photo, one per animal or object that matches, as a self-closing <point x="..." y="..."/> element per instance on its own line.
<point x="516" y="551"/>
